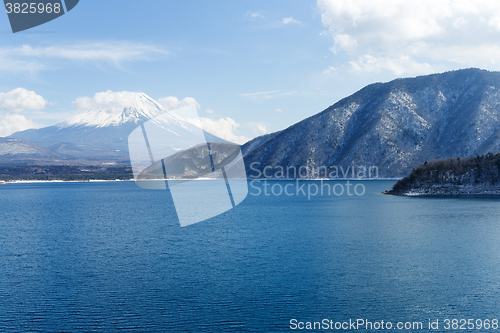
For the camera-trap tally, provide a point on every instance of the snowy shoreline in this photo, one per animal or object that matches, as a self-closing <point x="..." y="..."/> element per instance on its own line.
<point x="449" y="190"/>
<point x="62" y="181"/>
<point x="198" y="179"/>
<point x="414" y="194"/>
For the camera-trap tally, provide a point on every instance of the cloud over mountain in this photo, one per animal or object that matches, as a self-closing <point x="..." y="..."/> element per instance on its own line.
<point x="112" y="100"/>
<point x="172" y="102"/>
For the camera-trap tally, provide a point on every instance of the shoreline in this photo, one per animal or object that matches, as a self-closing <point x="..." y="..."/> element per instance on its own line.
<point x="352" y="179"/>
<point x="63" y="181"/>
<point x="198" y="179"/>
<point x="444" y="194"/>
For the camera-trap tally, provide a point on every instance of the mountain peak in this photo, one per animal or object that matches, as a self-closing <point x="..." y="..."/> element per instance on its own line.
<point x="132" y="107"/>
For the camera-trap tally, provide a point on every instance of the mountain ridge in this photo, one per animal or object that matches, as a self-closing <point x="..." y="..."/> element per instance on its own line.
<point x="19" y="151"/>
<point x="394" y="126"/>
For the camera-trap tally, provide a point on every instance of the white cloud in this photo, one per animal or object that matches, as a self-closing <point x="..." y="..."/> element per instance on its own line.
<point x="11" y="63"/>
<point x="172" y="102"/>
<point x="209" y="111"/>
<point x="111" y="100"/>
<point x="291" y="20"/>
<point x="271" y="94"/>
<point x="261" y="94"/>
<point x="255" y="15"/>
<point x="27" y="58"/>
<point x="414" y="36"/>
<point x="223" y="128"/>
<point x="329" y="70"/>
<point x="257" y="128"/>
<point x="399" y="66"/>
<point x="14" y="102"/>
<point x="11" y="123"/>
<point x="279" y="110"/>
<point x="101" y="51"/>
<point x="21" y="99"/>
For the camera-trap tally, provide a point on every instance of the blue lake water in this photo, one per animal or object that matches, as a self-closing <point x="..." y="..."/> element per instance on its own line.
<point x="109" y="257"/>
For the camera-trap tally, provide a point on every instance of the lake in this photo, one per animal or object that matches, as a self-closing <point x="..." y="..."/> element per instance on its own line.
<point x="109" y="257"/>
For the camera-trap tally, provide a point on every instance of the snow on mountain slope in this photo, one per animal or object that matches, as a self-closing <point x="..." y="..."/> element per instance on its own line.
<point x="138" y="107"/>
<point x="19" y="146"/>
<point x="20" y="151"/>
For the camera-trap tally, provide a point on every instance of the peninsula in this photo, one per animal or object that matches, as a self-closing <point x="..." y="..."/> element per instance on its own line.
<point x="455" y="176"/>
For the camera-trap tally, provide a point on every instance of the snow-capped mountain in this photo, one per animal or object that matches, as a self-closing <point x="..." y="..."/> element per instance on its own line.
<point x="101" y="135"/>
<point x="394" y="126"/>
<point x="139" y="107"/>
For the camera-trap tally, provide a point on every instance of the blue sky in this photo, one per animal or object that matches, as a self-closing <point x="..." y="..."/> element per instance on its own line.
<point x="253" y="67"/>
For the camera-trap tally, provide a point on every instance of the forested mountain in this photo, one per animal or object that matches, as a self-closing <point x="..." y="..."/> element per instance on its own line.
<point x="394" y="126"/>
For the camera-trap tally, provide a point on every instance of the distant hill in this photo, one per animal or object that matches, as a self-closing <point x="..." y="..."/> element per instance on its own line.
<point x="471" y="175"/>
<point x="394" y="126"/>
<point x="9" y="173"/>
<point x="19" y="151"/>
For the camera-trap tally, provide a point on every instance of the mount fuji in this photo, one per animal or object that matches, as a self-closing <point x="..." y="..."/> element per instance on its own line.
<point x="98" y="135"/>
